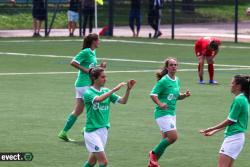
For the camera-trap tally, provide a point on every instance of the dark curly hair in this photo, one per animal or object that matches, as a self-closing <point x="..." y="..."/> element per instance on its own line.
<point x="244" y="82"/>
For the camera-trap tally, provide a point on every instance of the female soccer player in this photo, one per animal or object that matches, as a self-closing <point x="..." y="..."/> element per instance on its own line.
<point x="235" y="124"/>
<point x="97" y="100"/>
<point x="206" y="48"/>
<point x="83" y="61"/>
<point x="165" y="94"/>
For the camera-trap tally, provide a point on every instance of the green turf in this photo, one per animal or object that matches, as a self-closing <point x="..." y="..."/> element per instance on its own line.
<point x="34" y="107"/>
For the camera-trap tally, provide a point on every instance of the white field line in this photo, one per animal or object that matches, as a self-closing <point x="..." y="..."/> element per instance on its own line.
<point x="111" y="72"/>
<point x="121" y="60"/>
<point x="168" y="44"/>
<point x="122" y="41"/>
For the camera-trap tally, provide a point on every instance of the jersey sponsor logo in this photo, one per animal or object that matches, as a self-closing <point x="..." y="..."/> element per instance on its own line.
<point x="97" y="106"/>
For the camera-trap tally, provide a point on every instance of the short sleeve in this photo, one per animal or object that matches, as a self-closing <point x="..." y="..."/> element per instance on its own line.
<point x="89" y="97"/>
<point x="81" y="57"/>
<point x="234" y="111"/>
<point x="114" y="98"/>
<point x="157" y="89"/>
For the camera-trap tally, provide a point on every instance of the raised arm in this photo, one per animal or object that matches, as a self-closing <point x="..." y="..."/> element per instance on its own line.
<point x="184" y="95"/>
<point x="106" y="95"/>
<point x="124" y="99"/>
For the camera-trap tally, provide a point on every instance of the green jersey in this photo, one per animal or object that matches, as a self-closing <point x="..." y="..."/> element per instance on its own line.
<point x="239" y="115"/>
<point x="98" y="113"/>
<point x="87" y="59"/>
<point x="168" y="91"/>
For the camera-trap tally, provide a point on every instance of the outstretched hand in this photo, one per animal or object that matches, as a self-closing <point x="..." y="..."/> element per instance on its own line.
<point x="119" y="86"/>
<point x="103" y="65"/>
<point x="207" y="132"/>
<point x="188" y="93"/>
<point x="131" y="83"/>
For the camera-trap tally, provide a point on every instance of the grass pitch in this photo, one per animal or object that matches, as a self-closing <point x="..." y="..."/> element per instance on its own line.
<point x="37" y="94"/>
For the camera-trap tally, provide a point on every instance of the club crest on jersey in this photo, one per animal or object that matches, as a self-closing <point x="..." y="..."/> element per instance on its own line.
<point x="172" y="126"/>
<point x="96" y="148"/>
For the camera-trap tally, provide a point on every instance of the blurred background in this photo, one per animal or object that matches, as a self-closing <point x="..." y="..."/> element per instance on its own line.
<point x="183" y="19"/>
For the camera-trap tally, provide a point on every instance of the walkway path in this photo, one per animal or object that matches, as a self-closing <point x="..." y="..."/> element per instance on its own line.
<point x="225" y="31"/>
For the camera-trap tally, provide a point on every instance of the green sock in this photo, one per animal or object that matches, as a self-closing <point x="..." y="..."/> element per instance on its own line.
<point x="69" y="123"/>
<point x="102" y="165"/>
<point x="86" y="164"/>
<point x="160" y="148"/>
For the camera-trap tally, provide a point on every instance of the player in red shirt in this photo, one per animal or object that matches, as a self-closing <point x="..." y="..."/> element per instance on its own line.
<point x="206" y="48"/>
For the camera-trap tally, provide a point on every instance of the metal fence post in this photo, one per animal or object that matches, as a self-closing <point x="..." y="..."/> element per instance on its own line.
<point x="46" y="19"/>
<point x="111" y="17"/>
<point x="236" y="21"/>
<point x="172" y="18"/>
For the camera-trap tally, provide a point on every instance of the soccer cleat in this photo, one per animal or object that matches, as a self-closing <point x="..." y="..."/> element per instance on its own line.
<point x="201" y="82"/>
<point x="153" y="165"/>
<point x="62" y="135"/>
<point x="159" y="34"/>
<point x="153" y="160"/>
<point x="213" y="82"/>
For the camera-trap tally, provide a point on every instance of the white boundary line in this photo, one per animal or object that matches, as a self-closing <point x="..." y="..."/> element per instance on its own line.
<point x="112" y="72"/>
<point x="110" y="59"/>
<point x="122" y="41"/>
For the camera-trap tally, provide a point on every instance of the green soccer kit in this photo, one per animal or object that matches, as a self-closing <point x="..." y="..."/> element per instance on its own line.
<point x="239" y="115"/>
<point x="87" y="59"/>
<point x="98" y="112"/>
<point x="168" y="91"/>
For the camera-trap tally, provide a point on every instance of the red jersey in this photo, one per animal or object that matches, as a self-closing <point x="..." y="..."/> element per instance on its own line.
<point x="201" y="46"/>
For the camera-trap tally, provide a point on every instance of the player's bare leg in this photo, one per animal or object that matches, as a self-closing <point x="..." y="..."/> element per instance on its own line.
<point x="210" y="62"/>
<point x="201" y="69"/>
<point x="225" y="161"/>
<point x="101" y="158"/>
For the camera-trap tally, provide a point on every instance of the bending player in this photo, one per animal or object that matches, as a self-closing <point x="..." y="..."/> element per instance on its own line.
<point x="206" y="48"/>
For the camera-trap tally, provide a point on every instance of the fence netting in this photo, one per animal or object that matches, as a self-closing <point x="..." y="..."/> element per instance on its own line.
<point x="192" y="18"/>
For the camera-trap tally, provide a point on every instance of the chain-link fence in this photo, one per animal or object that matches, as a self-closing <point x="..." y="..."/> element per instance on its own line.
<point x="180" y="19"/>
<point x="193" y="18"/>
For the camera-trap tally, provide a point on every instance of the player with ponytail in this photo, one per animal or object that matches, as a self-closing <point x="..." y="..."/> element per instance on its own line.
<point x="235" y="124"/>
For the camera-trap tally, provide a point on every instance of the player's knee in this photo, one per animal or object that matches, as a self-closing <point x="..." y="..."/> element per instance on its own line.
<point x="172" y="139"/>
<point x="105" y="163"/>
<point x="77" y="112"/>
<point x="210" y="62"/>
